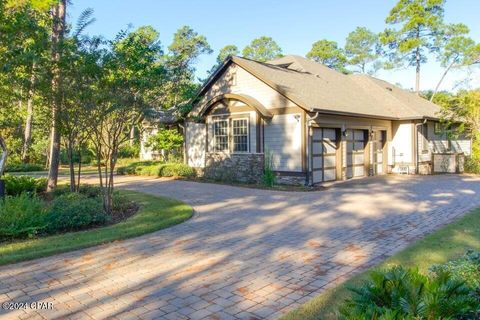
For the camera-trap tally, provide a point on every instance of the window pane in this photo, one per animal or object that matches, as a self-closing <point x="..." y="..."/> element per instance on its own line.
<point x="240" y="135"/>
<point x="220" y="133"/>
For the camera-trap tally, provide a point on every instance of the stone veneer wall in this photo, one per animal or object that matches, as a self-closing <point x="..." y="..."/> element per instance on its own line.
<point x="291" y="180"/>
<point x="242" y="167"/>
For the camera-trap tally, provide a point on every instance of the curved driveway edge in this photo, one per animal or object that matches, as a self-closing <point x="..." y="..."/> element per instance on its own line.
<point x="246" y="253"/>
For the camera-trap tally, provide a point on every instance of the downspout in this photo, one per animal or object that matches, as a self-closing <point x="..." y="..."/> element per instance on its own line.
<point x="309" y="144"/>
<point x="417" y="153"/>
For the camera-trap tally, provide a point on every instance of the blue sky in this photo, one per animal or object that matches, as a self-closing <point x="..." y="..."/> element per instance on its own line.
<point x="294" y="25"/>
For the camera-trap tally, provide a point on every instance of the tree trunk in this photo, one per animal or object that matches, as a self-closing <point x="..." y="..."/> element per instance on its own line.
<point x="71" y="166"/>
<point x="3" y="158"/>
<point x="79" y="167"/>
<point x="132" y="136"/>
<point x="58" y="31"/>
<point x="417" y="71"/>
<point x="442" y="78"/>
<point x="28" y="123"/>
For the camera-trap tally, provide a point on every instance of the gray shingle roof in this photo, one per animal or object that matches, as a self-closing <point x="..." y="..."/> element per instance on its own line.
<point x="316" y="87"/>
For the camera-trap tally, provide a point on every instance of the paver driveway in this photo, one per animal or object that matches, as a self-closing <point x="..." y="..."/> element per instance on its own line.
<point x="246" y="253"/>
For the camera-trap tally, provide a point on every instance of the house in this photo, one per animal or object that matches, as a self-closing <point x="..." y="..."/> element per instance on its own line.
<point x="314" y="125"/>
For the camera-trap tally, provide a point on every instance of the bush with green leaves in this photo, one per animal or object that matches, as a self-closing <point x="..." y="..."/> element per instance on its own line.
<point x="400" y="293"/>
<point x="16" y="185"/>
<point x="472" y="165"/>
<point x="22" y="216"/>
<point x="466" y="268"/>
<point x="129" y="151"/>
<point x="24" y="167"/>
<point x="75" y="211"/>
<point x="176" y="170"/>
<point x="165" y="139"/>
<point x="158" y="169"/>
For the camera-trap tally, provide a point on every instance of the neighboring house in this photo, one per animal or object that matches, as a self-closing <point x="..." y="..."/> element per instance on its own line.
<point x="314" y="123"/>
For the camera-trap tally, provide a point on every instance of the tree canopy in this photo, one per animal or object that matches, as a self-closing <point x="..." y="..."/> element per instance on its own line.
<point x="328" y="53"/>
<point x="415" y="28"/>
<point x="361" y="49"/>
<point x="262" y="49"/>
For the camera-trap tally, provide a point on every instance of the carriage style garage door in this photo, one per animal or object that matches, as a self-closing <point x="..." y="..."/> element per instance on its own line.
<point x="378" y="142"/>
<point x="324" y="154"/>
<point x="355" y="153"/>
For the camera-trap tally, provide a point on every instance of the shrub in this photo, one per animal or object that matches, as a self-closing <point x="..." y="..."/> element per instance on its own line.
<point x="16" y="185"/>
<point x="158" y="169"/>
<point x="467" y="268"/>
<point x="176" y="170"/>
<point x="22" y="216"/>
<point x="75" y="211"/>
<point x="129" y="151"/>
<point x="90" y="191"/>
<point x="24" y="167"/>
<point x="472" y="165"/>
<point x="400" y="293"/>
<point x="138" y="167"/>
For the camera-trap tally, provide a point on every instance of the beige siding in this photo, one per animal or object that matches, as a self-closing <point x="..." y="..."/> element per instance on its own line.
<point x="438" y="143"/>
<point x="283" y="138"/>
<point x="195" y="144"/>
<point x="236" y="80"/>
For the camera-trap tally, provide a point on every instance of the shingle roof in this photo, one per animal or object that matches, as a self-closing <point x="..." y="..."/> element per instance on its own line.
<point x="316" y="87"/>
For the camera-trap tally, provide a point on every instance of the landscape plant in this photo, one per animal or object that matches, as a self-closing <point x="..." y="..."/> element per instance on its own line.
<point x="401" y="293"/>
<point x="269" y="177"/>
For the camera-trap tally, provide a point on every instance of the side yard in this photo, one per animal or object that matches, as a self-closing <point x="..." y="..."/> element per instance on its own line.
<point x="446" y="244"/>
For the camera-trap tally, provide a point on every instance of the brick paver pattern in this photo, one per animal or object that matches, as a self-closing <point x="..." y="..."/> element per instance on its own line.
<point x="246" y="254"/>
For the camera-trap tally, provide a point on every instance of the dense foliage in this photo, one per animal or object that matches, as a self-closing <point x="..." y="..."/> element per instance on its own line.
<point x="157" y="168"/>
<point x="28" y="212"/>
<point x="16" y="185"/>
<point x="400" y="293"/>
<point x="166" y="140"/>
<point x="24" y="167"/>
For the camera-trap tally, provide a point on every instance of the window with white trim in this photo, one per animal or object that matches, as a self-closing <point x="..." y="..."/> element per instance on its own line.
<point x="240" y="135"/>
<point x="220" y="135"/>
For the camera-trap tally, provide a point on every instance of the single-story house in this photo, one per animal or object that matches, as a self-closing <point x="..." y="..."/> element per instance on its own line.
<point x="313" y="124"/>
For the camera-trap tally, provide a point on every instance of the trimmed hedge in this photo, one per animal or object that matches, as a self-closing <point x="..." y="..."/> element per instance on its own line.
<point x="158" y="169"/>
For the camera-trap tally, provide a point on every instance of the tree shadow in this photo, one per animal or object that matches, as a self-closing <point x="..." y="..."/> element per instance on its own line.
<point x="247" y="253"/>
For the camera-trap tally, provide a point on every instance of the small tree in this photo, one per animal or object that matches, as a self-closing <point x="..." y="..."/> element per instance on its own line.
<point x="132" y="75"/>
<point x="166" y="141"/>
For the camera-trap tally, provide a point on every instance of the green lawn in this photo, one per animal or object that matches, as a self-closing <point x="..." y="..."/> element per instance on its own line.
<point x="155" y="213"/>
<point x="448" y="243"/>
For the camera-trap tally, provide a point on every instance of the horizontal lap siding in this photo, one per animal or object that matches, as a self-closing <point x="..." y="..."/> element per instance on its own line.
<point x="283" y="138"/>
<point x="195" y="144"/>
<point x="237" y="80"/>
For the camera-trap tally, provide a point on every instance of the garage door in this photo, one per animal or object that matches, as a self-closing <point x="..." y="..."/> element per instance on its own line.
<point x="378" y="143"/>
<point x="324" y="154"/>
<point x="355" y="153"/>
